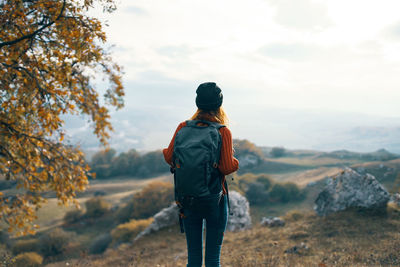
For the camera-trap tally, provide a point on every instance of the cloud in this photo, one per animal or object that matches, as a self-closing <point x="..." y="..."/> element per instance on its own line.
<point x="392" y="32"/>
<point x="291" y="52"/>
<point x="135" y="10"/>
<point x="301" y="14"/>
<point x="176" y="51"/>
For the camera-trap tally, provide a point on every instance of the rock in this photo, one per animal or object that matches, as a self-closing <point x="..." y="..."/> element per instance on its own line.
<point x="298" y="249"/>
<point x="240" y="210"/>
<point x="361" y="170"/>
<point x="164" y="218"/>
<point x="248" y="160"/>
<point x="351" y="189"/>
<point x="272" y="221"/>
<point x="238" y="221"/>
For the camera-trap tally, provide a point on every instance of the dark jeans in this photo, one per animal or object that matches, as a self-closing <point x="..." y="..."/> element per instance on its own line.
<point x="216" y="221"/>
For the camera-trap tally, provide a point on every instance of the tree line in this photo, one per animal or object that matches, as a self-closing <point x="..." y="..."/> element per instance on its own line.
<point x="107" y="164"/>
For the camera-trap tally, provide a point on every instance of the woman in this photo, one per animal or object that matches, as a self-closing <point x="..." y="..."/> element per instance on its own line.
<point x="208" y="100"/>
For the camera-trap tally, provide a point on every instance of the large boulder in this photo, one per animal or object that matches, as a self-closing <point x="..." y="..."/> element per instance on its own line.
<point x="351" y="189"/>
<point x="239" y="220"/>
<point x="240" y="210"/>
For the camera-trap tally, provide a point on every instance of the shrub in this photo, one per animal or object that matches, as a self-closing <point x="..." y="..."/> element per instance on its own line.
<point x="256" y="193"/>
<point x="102" y="171"/>
<point x="243" y="147"/>
<point x="6" y="184"/>
<point x="128" y="231"/>
<point x="243" y="181"/>
<point x="285" y="192"/>
<point x="151" y="163"/>
<point x="265" y="180"/>
<point x="55" y="242"/>
<point x="279" y="193"/>
<point x="4" y="238"/>
<point x="25" y="245"/>
<point x="73" y="216"/>
<point x="100" y="244"/>
<point x="277" y="152"/>
<point x="28" y="259"/>
<point x="293" y="191"/>
<point x="150" y="200"/>
<point x="96" y="207"/>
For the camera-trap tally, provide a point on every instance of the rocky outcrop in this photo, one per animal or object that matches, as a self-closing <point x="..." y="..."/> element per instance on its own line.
<point x="351" y="189"/>
<point x="239" y="220"/>
<point x="240" y="212"/>
<point x="165" y="218"/>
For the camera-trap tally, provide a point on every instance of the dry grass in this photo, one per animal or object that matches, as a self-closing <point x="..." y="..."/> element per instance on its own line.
<point x="315" y="161"/>
<point x="118" y="190"/>
<point x="347" y="238"/>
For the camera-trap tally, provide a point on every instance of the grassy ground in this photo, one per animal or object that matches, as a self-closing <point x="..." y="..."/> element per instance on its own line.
<point x="117" y="190"/>
<point x="344" y="239"/>
<point x="348" y="238"/>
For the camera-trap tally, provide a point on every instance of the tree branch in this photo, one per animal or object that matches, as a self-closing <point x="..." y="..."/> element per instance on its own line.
<point x="28" y="36"/>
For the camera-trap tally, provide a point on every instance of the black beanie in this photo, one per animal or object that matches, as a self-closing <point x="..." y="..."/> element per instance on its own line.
<point x="209" y="96"/>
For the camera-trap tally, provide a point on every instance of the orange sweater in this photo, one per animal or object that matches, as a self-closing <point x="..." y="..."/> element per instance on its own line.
<point x="227" y="163"/>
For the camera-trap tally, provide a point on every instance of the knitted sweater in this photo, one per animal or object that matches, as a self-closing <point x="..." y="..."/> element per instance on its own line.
<point x="227" y="163"/>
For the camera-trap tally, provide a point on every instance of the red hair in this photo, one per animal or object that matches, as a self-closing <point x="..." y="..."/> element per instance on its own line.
<point x="217" y="115"/>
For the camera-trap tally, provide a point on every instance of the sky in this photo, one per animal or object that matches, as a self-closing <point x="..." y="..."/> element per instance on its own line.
<point x="293" y="73"/>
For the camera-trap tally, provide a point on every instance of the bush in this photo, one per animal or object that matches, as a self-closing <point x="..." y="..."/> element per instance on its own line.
<point x="256" y="193"/>
<point x="151" y="163"/>
<point x="96" y="207"/>
<point x="100" y="244"/>
<point x="285" y="192"/>
<point x="294" y="192"/>
<point x="243" y="181"/>
<point x="243" y="147"/>
<point x="277" y="152"/>
<point x="102" y="171"/>
<point x="73" y="216"/>
<point x="4" y="238"/>
<point x="7" y="184"/>
<point x="279" y="193"/>
<point x="150" y="200"/>
<point x="106" y="164"/>
<point x="55" y="242"/>
<point x="25" y="245"/>
<point x="128" y="231"/>
<point x="28" y="259"/>
<point x="265" y="181"/>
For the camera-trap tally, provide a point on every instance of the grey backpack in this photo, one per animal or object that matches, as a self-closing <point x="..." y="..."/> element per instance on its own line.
<point x="195" y="158"/>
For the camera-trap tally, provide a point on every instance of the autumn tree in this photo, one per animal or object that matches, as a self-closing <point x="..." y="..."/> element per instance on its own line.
<point x="50" y="51"/>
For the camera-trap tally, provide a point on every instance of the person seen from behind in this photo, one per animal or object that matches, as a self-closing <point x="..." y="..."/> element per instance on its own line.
<point x="200" y="155"/>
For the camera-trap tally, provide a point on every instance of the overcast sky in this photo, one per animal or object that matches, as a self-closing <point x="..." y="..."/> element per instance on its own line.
<point x="325" y="56"/>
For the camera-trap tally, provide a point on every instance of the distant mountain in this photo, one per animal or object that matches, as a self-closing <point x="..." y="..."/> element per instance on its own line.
<point x="151" y="128"/>
<point x="381" y="154"/>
